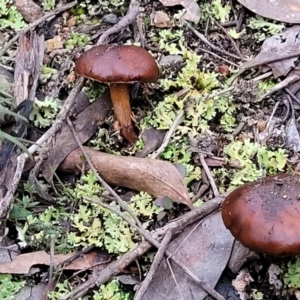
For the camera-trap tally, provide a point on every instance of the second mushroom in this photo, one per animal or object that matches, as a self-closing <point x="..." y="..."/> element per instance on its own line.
<point x="119" y="66"/>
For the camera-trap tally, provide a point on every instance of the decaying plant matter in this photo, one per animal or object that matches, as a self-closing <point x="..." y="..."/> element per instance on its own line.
<point x="140" y="127"/>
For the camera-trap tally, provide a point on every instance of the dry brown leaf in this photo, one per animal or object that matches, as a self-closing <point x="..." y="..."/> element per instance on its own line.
<point x="72" y="21"/>
<point x="191" y="6"/>
<point x="156" y="177"/>
<point x="204" y="249"/>
<point x="32" y="292"/>
<point x="276" y="47"/>
<point x="161" y="20"/>
<point x="152" y="139"/>
<point x="22" y="263"/>
<point x="54" y="44"/>
<point x="89" y="117"/>
<point x="281" y="10"/>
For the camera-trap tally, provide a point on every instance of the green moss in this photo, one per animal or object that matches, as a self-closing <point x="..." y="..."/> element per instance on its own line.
<point x="9" y="16"/>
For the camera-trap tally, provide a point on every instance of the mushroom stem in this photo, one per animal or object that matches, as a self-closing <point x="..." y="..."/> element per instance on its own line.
<point x="119" y="94"/>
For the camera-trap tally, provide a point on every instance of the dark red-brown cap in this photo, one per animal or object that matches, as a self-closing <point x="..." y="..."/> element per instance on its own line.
<point x="115" y="63"/>
<point x="265" y="215"/>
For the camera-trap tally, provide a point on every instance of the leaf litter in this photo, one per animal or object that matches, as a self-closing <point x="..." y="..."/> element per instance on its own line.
<point x="201" y="245"/>
<point x="158" y="178"/>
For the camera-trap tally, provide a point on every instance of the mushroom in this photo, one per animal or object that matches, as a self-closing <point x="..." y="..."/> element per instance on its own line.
<point x="265" y="215"/>
<point x="119" y="66"/>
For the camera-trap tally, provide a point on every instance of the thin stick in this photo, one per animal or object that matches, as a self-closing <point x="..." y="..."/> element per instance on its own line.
<point x="120" y="264"/>
<point x="208" y="174"/>
<point x="258" y="78"/>
<point x="168" y="136"/>
<point x="203" y="187"/>
<point x="51" y="267"/>
<point x="69" y="102"/>
<point x="181" y="114"/>
<point x="292" y="95"/>
<point x="238" y="129"/>
<point x="250" y="64"/>
<point x="272" y="115"/>
<point x="175" y="280"/>
<point x="7" y="201"/>
<point x="206" y="287"/>
<point x="122" y="203"/>
<point x="36" y="23"/>
<point x="204" y="40"/>
<point x="231" y="40"/>
<point x="284" y="83"/>
<point x="218" y="56"/>
<point x="154" y="266"/>
<point x="141" y="230"/>
<point x="128" y="19"/>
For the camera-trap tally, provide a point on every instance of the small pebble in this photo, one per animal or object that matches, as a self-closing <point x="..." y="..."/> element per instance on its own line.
<point x="110" y="19"/>
<point x="171" y="61"/>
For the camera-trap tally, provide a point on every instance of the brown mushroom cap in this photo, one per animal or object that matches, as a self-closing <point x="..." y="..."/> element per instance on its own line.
<point x="265" y="215"/>
<point x="115" y="63"/>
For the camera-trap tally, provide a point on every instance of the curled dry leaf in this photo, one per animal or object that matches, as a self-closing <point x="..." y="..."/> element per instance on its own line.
<point x="191" y="6"/>
<point x="277" y="47"/>
<point x="156" y="177"/>
<point x="22" y="263"/>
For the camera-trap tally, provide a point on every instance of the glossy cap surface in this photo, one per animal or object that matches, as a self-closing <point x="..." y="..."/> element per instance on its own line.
<point x="265" y="215"/>
<point x="115" y="63"/>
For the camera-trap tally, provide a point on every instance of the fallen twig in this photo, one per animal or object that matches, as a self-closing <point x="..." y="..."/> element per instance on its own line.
<point x="204" y="40"/>
<point x="203" y="284"/>
<point x="284" y="83"/>
<point x="272" y="115"/>
<point x="292" y="95"/>
<point x="120" y="264"/>
<point x="52" y="263"/>
<point x="231" y="40"/>
<point x="7" y="201"/>
<point x="207" y="287"/>
<point x="168" y="136"/>
<point x="208" y="174"/>
<point x="238" y="129"/>
<point x="123" y="23"/>
<point x="203" y="188"/>
<point x="65" y="262"/>
<point x="123" y="204"/>
<point x="154" y="266"/>
<point x="181" y="114"/>
<point x="62" y="115"/>
<point x="36" y="23"/>
<point x="239" y="23"/>
<point x="141" y="230"/>
<point x="250" y="65"/>
<point x="218" y="56"/>
<point x="258" y="78"/>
